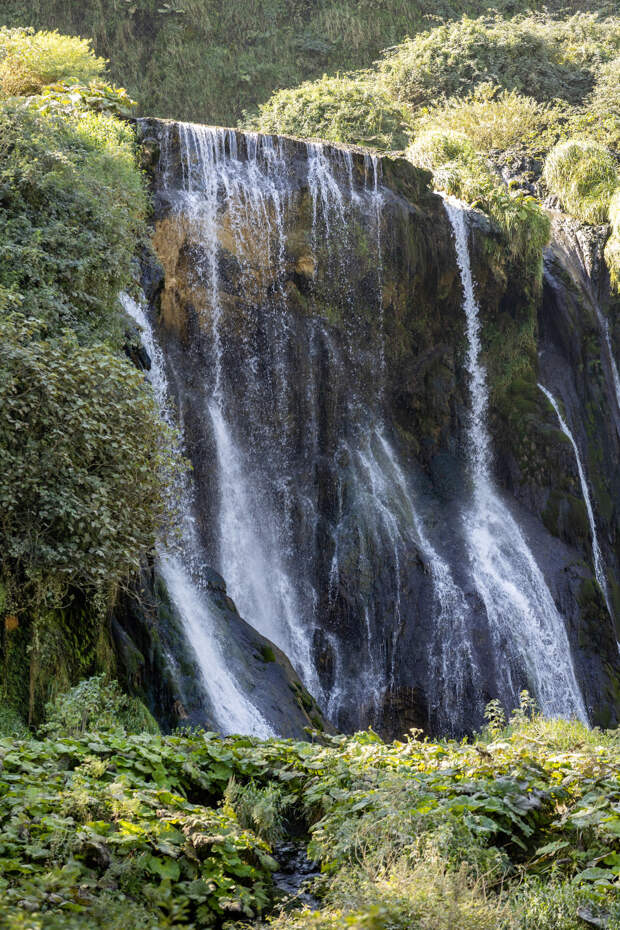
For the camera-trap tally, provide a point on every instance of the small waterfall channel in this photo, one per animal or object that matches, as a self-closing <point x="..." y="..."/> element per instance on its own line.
<point x="597" y="558"/>
<point x="528" y="632"/>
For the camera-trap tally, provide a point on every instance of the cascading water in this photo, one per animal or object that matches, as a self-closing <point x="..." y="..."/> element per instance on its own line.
<point x="315" y="528"/>
<point x="597" y="558"/>
<point x="527" y="629"/>
<point x="181" y="570"/>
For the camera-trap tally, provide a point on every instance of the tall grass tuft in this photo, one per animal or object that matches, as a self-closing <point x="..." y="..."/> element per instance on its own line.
<point x="583" y="175"/>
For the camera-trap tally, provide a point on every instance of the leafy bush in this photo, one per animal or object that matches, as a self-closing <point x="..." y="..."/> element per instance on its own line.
<point x="583" y="175"/>
<point x="496" y="119"/>
<point x="30" y="60"/>
<point x="97" y="96"/>
<point x="559" y="905"/>
<point x="72" y="209"/>
<point x="538" y="58"/>
<point x="350" y="109"/>
<point x="84" y="465"/>
<point x="612" y="249"/>
<point x="11" y="724"/>
<point x="97" y="704"/>
<point x="460" y="171"/>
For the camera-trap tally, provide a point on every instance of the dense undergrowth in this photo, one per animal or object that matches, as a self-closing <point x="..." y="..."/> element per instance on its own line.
<point x="208" y="61"/>
<point x="84" y="460"/>
<point x="518" y="828"/>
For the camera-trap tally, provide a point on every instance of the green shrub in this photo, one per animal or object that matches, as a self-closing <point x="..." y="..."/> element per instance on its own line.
<point x="85" y="463"/>
<point x="560" y="905"/>
<point x="462" y="172"/>
<point x="11" y="724"/>
<point x="30" y="60"/>
<point x="259" y="809"/>
<point x="612" y="249"/>
<point x="543" y="59"/>
<point x="583" y="175"/>
<point x="345" y="108"/>
<point x="496" y="119"/>
<point x="97" y="705"/>
<point x="72" y="210"/>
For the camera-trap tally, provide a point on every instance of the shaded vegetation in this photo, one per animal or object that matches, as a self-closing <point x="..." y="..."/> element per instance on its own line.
<point x="517" y="829"/>
<point x="84" y="460"/>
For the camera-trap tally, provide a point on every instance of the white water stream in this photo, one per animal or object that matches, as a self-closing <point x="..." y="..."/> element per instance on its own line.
<point x="531" y="642"/>
<point x="597" y="558"/>
<point x="233" y="711"/>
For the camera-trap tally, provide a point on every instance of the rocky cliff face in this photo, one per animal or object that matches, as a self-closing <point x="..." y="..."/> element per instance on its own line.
<point x="310" y="310"/>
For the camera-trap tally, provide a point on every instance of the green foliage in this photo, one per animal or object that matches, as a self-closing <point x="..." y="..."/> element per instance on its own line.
<point x="583" y="175"/>
<point x="11" y="724"/>
<point x="519" y="828"/>
<point x="209" y="61"/>
<point x="351" y="109"/>
<point x="84" y="461"/>
<point x="424" y="896"/>
<point x="462" y="172"/>
<point x="97" y="96"/>
<point x="538" y="57"/>
<point x="612" y="249"/>
<point x="96" y="704"/>
<point x="91" y="818"/>
<point x="30" y="60"/>
<point x="496" y="119"/>
<point x="259" y="809"/>
<point x="72" y="208"/>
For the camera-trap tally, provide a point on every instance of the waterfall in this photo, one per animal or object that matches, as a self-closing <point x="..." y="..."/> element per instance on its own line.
<point x="232" y="710"/>
<point x="597" y="558"/>
<point x="528" y="632"/>
<point x="307" y="513"/>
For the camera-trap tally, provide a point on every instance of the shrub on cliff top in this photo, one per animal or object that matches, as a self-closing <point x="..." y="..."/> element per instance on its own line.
<point x="72" y="208"/>
<point x="542" y="59"/>
<point x="496" y="119"/>
<point x="460" y="171"/>
<point x="30" y="60"/>
<point x="583" y="175"/>
<point x="351" y="109"/>
<point x="612" y="249"/>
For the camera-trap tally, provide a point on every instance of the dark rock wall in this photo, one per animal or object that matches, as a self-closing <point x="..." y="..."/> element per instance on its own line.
<point x="413" y="318"/>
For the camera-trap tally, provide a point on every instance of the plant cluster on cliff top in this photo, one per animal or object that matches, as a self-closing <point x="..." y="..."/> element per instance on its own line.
<point x="72" y="206"/>
<point x="458" y="169"/>
<point x="31" y="60"/>
<point x="339" y="109"/>
<point x="584" y="176"/>
<point x="519" y="828"/>
<point x="539" y="57"/>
